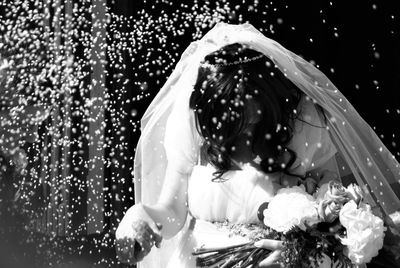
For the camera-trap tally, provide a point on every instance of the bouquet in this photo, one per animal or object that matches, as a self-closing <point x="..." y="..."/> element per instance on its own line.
<point x="334" y="222"/>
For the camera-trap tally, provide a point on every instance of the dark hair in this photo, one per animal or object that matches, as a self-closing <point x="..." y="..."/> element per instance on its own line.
<point x="226" y="84"/>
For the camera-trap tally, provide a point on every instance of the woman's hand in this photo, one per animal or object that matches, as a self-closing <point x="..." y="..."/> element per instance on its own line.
<point x="274" y="257"/>
<point x="136" y="235"/>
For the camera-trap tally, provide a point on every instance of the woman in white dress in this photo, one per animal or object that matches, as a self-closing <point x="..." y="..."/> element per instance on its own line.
<point x="239" y="118"/>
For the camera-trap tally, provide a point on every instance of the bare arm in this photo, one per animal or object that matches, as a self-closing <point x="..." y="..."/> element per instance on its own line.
<point x="171" y="209"/>
<point x="144" y="226"/>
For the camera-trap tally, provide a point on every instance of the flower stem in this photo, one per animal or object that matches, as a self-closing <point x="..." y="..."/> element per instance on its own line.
<point x="216" y="257"/>
<point x="200" y="251"/>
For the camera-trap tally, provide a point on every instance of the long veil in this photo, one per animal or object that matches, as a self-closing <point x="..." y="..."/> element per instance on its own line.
<point x="371" y="163"/>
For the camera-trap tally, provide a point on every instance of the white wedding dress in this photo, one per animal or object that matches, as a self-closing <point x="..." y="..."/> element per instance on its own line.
<point x="237" y="199"/>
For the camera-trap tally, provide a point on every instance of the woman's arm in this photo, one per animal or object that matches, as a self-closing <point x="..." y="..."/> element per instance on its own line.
<point x="171" y="209"/>
<point x="144" y="226"/>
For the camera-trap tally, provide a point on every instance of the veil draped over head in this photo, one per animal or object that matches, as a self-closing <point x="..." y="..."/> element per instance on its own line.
<point x="373" y="166"/>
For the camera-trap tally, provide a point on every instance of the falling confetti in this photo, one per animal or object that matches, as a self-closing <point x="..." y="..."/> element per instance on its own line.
<point x="90" y="72"/>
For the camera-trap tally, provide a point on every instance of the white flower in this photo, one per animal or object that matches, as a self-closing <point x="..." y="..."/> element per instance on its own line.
<point x="395" y="217"/>
<point x="332" y="191"/>
<point x="394" y="222"/>
<point x="365" y="232"/>
<point x="329" y="210"/>
<point x="319" y="195"/>
<point x="355" y="193"/>
<point x="291" y="207"/>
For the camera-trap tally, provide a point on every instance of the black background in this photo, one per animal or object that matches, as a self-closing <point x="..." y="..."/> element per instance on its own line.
<point x="371" y="82"/>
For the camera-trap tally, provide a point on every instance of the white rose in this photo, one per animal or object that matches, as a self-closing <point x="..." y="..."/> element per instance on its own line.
<point x="395" y="217"/>
<point x="291" y="207"/>
<point x="365" y="232"/>
<point x="320" y="193"/>
<point x="393" y="222"/>
<point x="332" y="191"/>
<point x="355" y="193"/>
<point x="328" y="210"/>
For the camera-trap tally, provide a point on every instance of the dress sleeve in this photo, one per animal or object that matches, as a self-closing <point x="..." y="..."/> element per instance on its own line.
<point x="182" y="141"/>
<point x="311" y="139"/>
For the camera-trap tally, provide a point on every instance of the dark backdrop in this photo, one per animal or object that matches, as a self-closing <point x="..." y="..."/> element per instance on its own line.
<point x="355" y="43"/>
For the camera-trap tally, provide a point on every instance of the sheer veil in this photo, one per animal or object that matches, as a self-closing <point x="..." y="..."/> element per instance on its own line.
<point x="373" y="166"/>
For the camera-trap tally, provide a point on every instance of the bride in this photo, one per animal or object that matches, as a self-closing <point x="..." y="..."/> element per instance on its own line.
<point x="239" y="118"/>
